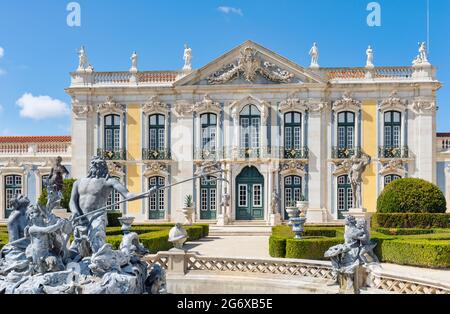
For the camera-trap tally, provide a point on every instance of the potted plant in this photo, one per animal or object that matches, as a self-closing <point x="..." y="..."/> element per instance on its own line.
<point x="188" y="209"/>
<point x="303" y="205"/>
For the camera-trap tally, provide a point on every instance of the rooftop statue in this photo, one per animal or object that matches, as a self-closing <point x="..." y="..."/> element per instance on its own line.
<point x="314" y="53"/>
<point x="369" y="53"/>
<point x="187" y="57"/>
<point x="134" y="61"/>
<point x="83" y="59"/>
<point x="347" y="258"/>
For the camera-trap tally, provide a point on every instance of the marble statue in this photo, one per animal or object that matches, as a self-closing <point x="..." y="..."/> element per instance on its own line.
<point x="369" y="53"/>
<point x="347" y="258"/>
<point x="423" y="52"/>
<point x="314" y="53"/>
<point x="134" y="61"/>
<point x="17" y="220"/>
<point x="57" y="175"/>
<point x="275" y="202"/>
<point x="91" y="193"/>
<point x="357" y="167"/>
<point x="187" y="57"/>
<point x="83" y="60"/>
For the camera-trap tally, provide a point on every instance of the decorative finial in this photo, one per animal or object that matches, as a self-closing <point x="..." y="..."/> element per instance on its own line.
<point x="369" y="53"/>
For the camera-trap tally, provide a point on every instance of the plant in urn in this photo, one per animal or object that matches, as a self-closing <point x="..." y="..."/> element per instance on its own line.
<point x="188" y="210"/>
<point x="292" y="211"/>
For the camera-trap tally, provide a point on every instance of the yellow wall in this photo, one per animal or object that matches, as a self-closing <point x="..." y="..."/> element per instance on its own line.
<point x="369" y="146"/>
<point x="134" y="154"/>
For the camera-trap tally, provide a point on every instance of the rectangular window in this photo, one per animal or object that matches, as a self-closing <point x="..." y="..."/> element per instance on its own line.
<point x="212" y="138"/>
<point x="161" y="199"/>
<point x="288" y="196"/>
<point x="108" y="139"/>
<point x="242" y="195"/>
<point x="350" y="137"/>
<point x="212" y="199"/>
<point x="257" y="195"/>
<point x="288" y="137"/>
<point x="349" y="198"/>
<point x="116" y="139"/>
<point x="297" y="194"/>
<point x="341" y="137"/>
<point x="204" y="198"/>
<point x="396" y="137"/>
<point x="244" y="132"/>
<point x="341" y="199"/>
<point x="387" y="136"/>
<point x="161" y="139"/>
<point x="255" y="132"/>
<point x="153" y="139"/>
<point x="297" y="138"/>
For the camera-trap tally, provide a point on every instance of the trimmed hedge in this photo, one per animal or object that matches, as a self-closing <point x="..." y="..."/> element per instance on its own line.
<point x="310" y="248"/>
<point x="411" y="195"/>
<point x="113" y="218"/>
<point x="403" y="231"/>
<point x="277" y="246"/>
<point x="410" y="220"/>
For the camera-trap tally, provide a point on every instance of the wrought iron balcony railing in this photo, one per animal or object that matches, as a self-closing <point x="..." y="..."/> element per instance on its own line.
<point x="393" y="152"/>
<point x="119" y="154"/>
<point x="156" y="154"/>
<point x="254" y="152"/>
<point x="345" y="152"/>
<point x="293" y="153"/>
<point x="208" y="154"/>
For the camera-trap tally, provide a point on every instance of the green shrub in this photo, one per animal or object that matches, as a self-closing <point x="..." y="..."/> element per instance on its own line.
<point x="310" y="231"/>
<point x="313" y="248"/>
<point x="427" y="253"/>
<point x="410" y="220"/>
<point x="277" y="246"/>
<point x="411" y="195"/>
<point x="113" y="218"/>
<point x="194" y="232"/>
<point x="403" y="231"/>
<point x="67" y="192"/>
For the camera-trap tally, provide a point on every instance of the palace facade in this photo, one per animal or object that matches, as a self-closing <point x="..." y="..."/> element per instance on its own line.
<point x="280" y="131"/>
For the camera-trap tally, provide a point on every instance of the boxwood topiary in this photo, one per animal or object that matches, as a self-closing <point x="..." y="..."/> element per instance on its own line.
<point x="411" y="195"/>
<point x="277" y="246"/>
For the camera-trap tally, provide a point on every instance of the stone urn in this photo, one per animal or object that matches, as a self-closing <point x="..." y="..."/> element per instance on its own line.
<point x="292" y="212"/>
<point x="126" y="223"/>
<point x="188" y="210"/>
<point x="303" y="207"/>
<point x="177" y="235"/>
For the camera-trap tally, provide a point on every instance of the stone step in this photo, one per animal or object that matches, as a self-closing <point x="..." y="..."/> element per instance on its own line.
<point x="242" y="230"/>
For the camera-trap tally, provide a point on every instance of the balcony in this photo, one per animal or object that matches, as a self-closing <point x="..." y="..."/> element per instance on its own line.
<point x="120" y="154"/>
<point x="206" y="154"/>
<point x="156" y="154"/>
<point x="292" y="153"/>
<point x="393" y="152"/>
<point x="344" y="152"/>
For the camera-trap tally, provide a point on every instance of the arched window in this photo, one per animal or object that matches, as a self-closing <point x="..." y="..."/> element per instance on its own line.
<point x="157" y="200"/>
<point x="157" y="131"/>
<point x="209" y="130"/>
<point x="392" y="129"/>
<point x="13" y="186"/>
<point x="390" y="178"/>
<point x="292" y="190"/>
<point x="208" y="198"/>
<point x="344" y="195"/>
<point x="113" y="198"/>
<point x="292" y="134"/>
<point x="346" y="130"/>
<point x="112" y="133"/>
<point x="250" y="124"/>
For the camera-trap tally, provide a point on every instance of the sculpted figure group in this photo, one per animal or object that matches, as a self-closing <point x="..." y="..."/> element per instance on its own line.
<point x="40" y="257"/>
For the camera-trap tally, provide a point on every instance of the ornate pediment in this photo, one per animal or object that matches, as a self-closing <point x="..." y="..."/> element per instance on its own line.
<point x="393" y="166"/>
<point x="183" y="108"/>
<point x="115" y="169"/>
<point x="346" y="103"/>
<point x="207" y="105"/>
<point x="154" y="105"/>
<point x="393" y="102"/>
<point x="111" y="106"/>
<point x="248" y="66"/>
<point x="423" y="106"/>
<point x="263" y="107"/>
<point x="292" y="167"/>
<point x="293" y="104"/>
<point x="155" y="168"/>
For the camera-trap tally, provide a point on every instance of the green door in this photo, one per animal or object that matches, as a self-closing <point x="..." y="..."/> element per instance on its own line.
<point x="344" y="196"/>
<point x="157" y="200"/>
<point x="208" y="199"/>
<point x="250" y="195"/>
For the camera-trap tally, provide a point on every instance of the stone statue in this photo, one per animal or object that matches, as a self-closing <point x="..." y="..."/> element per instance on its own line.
<point x="57" y="175"/>
<point x="423" y="52"/>
<point x="92" y="193"/>
<point x="178" y="235"/>
<point x="275" y="202"/>
<point x="357" y="167"/>
<point x="369" y="53"/>
<point x="187" y="57"/>
<point x="134" y="60"/>
<point x="17" y="221"/>
<point x="314" y="53"/>
<point x="347" y="258"/>
<point x="83" y="60"/>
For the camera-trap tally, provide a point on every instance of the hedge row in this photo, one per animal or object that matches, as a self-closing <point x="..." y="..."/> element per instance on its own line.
<point x="404" y="231"/>
<point x="427" y="248"/>
<point x="410" y="220"/>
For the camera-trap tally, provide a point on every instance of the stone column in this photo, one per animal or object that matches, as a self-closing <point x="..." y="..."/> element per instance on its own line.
<point x="402" y="133"/>
<point x="274" y="217"/>
<point x="82" y="143"/>
<point x="318" y="143"/>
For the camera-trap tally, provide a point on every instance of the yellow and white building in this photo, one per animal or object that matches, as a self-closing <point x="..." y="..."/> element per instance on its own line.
<point x="273" y="125"/>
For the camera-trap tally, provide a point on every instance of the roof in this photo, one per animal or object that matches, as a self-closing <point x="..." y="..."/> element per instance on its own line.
<point x="443" y="135"/>
<point x="35" y="139"/>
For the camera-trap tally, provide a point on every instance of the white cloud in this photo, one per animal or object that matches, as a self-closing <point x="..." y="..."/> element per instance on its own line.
<point x="2" y="52"/>
<point x="41" y="107"/>
<point x="228" y="10"/>
<point x="2" y="72"/>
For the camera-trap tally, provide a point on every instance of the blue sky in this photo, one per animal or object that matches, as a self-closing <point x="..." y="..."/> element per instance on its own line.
<point x="38" y="48"/>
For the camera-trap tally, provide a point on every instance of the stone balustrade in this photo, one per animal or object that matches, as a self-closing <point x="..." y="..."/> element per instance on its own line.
<point x="379" y="73"/>
<point x="35" y="149"/>
<point x="179" y="262"/>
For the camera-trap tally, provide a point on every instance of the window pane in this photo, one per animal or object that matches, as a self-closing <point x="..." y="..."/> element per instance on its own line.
<point x="242" y="195"/>
<point x="397" y="117"/>
<point x="257" y="196"/>
<point x="212" y="199"/>
<point x="350" y="117"/>
<point x="213" y="119"/>
<point x="387" y="117"/>
<point x="246" y="111"/>
<point x="297" y="117"/>
<point x="153" y="120"/>
<point x="288" y="118"/>
<point x="204" y="119"/>
<point x="108" y="120"/>
<point x="341" y="117"/>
